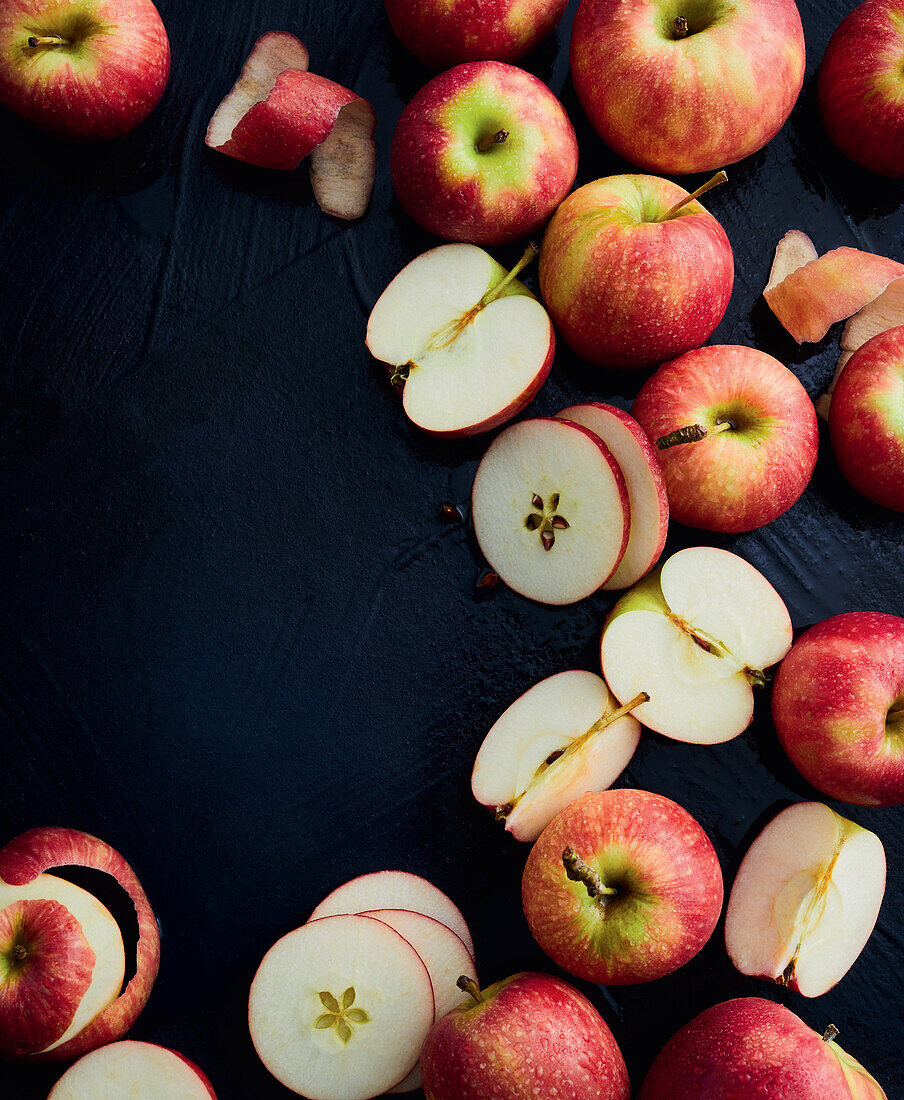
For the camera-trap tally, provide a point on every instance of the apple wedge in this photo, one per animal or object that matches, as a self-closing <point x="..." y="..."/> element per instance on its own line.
<point x="805" y="899"/>
<point x="340" y="1008"/>
<point x="695" y="637"/>
<point x="468" y="342"/>
<point x="647" y="497"/>
<point x="562" y="738"/>
<point x="550" y="510"/>
<point x="133" y="1071"/>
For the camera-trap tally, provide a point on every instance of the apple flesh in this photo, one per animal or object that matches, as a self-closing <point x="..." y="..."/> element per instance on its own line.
<point x="483" y="153"/>
<point x="468" y="341"/>
<point x="562" y="738"/>
<point x="622" y="887"/>
<point x="695" y="637"/>
<point x="133" y="1071"/>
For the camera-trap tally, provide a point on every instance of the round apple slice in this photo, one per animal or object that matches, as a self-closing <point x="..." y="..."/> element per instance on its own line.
<point x="133" y="1071"/>
<point x="340" y="1008"/>
<point x="550" y="510"/>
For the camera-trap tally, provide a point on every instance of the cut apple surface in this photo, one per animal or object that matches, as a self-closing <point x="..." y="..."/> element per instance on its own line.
<point x="647" y="497"/>
<point x="340" y="1008"/>
<point x="133" y="1071"/>
<point x="806" y="899"/>
<point x="695" y="636"/>
<point x="470" y="343"/>
<point x="550" y="510"/>
<point x="559" y="740"/>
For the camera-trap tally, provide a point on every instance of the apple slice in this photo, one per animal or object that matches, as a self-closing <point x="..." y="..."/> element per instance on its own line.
<point x="550" y="510"/>
<point x="647" y="496"/>
<point x="133" y="1071"/>
<point x="470" y="343"/>
<point x="695" y="637"/>
<point x="805" y="899"/>
<point x="396" y="890"/>
<point x="340" y="1008"/>
<point x="562" y="738"/>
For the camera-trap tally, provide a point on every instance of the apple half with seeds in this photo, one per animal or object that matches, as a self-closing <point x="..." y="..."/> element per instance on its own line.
<point x="133" y="1071"/>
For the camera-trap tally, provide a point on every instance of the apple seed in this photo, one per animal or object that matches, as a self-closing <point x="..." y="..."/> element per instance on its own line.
<point x="341" y="1016"/>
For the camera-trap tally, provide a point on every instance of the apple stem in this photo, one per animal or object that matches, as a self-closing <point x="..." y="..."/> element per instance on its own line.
<point x="719" y="177"/>
<point x="469" y="986"/>
<point x="681" y="28"/>
<point x="578" y="871"/>
<point x="831" y="1034"/>
<point x="609" y="719"/>
<point x="487" y="143"/>
<point x="691" y="433"/>
<point x="36" y="40"/>
<point x="493" y="293"/>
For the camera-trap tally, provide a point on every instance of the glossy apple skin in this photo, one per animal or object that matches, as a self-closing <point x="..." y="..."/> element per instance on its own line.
<point x="861" y="87"/>
<point x="665" y="868"/>
<point x="829" y="704"/>
<point x="441" y="33"/>
<point x="753" y="1049"/>
<point x="866" y="419"/>
<point x="503" y="194"/>
<point x="625" y="288"/>
<point x="102" y="90"/>
<point x="42" y="849"/>
<point x="691" y="106"/>
<point x="737" y="480"/>
<point x="530" y="1030"/>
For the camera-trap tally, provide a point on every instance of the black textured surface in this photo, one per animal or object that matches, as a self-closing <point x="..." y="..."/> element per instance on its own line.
<point x="236" y="641"/>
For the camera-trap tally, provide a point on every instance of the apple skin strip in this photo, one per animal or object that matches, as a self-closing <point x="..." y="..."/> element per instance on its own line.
<point x="794" y="250"/>
<point x="344" y="165"/>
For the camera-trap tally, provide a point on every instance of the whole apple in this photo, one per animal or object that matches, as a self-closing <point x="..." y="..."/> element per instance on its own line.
<point x="752" y="1049"/>
<point x="622" y="887"/>
<point x="515" y="1038"/>
<point x="484" y="153"/>
<point x="838" y="706"/>
<point x="446" y="32"/>
<point x="737" y="436"/>
<point x="861" y="87"/>
<point x="630" y="275"/>
<point x="82" y="68"/>
<point x="866" y="422"/>
<point x="682" y="86"/>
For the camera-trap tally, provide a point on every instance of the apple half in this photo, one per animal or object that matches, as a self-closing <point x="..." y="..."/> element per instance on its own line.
<point x="805" y="899"/>
<point x="130" y="1070"/>
<point x="695" y="636"/>
<point x="562" y="738"/>
<point x="468" y="342"/>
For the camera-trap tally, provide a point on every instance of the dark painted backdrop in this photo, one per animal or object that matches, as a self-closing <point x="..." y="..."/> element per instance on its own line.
<point x="236" y="641"/>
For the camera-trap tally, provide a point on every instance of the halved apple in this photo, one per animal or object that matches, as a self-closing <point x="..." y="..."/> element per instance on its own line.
<point x="133" y="1071"/>
<point x="469" y="342"/>
<point x="550" y="510"/>
<point x="340" y="1008"/>
<point x="805" y="899"/>
<point x="562" y="738"/>
<point x="695" y="636"/>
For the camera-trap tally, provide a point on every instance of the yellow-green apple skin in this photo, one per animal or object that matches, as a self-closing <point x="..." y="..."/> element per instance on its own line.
<point x="454" y="180"/>
<point x="838" y="707"/>
<point x="861" y="87"/>
<point x="675" y="104"/>
<point x="744" y="477"/>
<point x="627" y="283"/>
<point x="753" y="1049"/>
<point x="866" y="419"/>
<point x="666" y="878"/>
<point x="441" y="33"/>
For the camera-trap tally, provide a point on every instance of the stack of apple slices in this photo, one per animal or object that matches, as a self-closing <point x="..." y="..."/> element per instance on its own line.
<point x="340" y="1008"/>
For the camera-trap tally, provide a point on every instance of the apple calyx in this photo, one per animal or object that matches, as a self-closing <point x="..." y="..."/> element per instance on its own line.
<point x="719" y="177"/>
<point x="36" y="40"/>
<point x="681" y="28"/>
<point x="692" y="433"/>
<point x="578" y="871"/>
<point x="487" y="143"/>
<point x="469" y="986"/>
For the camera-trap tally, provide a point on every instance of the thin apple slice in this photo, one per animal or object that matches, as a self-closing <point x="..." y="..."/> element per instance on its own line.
<point x="340" y="1008"/>
<point x="647" y="496"/>
<point x="794" y="250"/>
<point x="396" y="890"/>
<point x="553" y="744"/>
<point x="131" y="1070"/>
<point x="550" y="510"/>
<point x="806" y="899"/>
<point x="344" y="165"/>
<point x="470" y="342"/>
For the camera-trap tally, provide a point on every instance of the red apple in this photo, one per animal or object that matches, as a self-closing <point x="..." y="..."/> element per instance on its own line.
<point x="522" y="1037"/>
<point x="737" y="436"/>
<point x="861" y="87"/>
<point x="82" y="68"/>
<point x="484" y="153"/>
<point x="838" y="706"/>
<point x="622" y="887"/>
<point x="633" y="272"/>
<point x="681" y="86"/>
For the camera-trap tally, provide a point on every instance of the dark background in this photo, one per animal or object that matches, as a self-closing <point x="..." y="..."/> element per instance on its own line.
<point x="236" y="641"/>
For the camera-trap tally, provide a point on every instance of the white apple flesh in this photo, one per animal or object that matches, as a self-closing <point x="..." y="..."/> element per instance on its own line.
<point x="132" y="1071"/>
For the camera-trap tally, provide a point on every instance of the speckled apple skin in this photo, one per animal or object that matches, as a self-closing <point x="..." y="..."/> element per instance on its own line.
<point x="657" y="855"/>
<point x="535" y="1037"/>
<point x="829" y="703"/>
